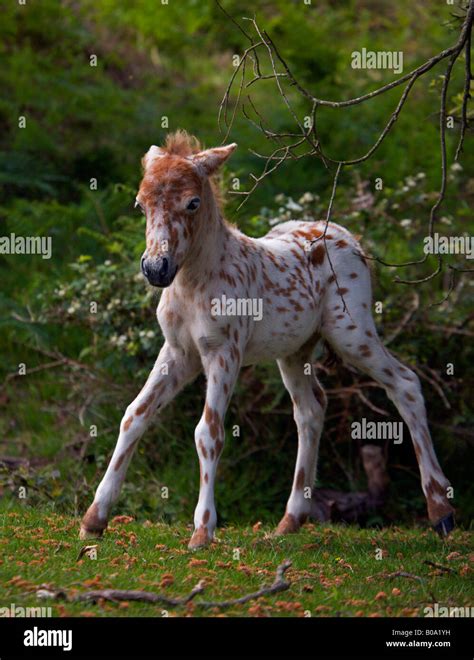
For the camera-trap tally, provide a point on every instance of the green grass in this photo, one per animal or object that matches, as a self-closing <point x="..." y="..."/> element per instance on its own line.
<point x="334" y="568"/>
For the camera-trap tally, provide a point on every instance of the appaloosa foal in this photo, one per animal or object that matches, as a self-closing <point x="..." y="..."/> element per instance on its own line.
<point x="197" y="258"/>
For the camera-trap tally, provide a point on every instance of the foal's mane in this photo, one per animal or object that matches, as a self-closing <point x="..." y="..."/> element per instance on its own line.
<point x="181" y="143"/>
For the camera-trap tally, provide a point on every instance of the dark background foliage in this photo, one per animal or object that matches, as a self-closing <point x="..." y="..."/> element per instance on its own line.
<point x="88" y="122"/>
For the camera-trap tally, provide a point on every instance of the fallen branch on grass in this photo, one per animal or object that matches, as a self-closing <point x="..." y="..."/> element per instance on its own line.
<point x="440" y="567"/>
<point x="115" y="595"/>
<point x="409" y="576"/>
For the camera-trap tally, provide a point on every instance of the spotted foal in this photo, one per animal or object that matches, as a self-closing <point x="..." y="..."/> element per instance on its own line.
<point x="312" y="283"/>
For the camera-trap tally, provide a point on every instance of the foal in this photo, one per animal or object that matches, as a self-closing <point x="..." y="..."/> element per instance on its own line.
<point x="201" y="260"/>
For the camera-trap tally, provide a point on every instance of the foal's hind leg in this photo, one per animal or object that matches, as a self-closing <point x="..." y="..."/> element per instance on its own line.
<point x="309" y="404"/>
<point x="357" y="342"/>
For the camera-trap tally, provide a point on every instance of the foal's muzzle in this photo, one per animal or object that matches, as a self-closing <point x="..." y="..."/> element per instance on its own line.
<point x="159" y="271"/>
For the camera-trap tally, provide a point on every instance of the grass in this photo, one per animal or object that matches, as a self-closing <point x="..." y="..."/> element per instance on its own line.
<point x="334" y="568"/>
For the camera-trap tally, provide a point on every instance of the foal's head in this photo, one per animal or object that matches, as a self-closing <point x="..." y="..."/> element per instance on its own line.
<point x="177" y="199"/>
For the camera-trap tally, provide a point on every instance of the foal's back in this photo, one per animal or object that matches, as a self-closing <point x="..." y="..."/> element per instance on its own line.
<point x="311" y="277"/>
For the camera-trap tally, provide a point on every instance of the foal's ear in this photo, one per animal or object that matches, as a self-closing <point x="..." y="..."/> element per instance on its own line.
<point x="152" y="153"/>
<point x="211" y="159"/>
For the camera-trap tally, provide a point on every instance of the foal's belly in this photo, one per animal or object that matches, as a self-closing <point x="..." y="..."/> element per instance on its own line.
<point x="280" y="334"/>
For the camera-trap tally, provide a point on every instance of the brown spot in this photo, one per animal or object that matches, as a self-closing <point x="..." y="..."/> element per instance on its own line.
<point x="409" y="396"/>
<point x="351" y="327"/>
<point x="159" y="387"/>
<point x="208" y="414"/>
<point x="389" y="372"/>
<point x="206" y="516"/>
<point x="341" y="243"/>
<point x="202" y="448"/>
<point x="342" y="292"/>
<point x="353" y="276"/>
<point x="127" y="423"/>
<point x="141" y="409"/>
<point x="219" y="446"/>
<point x="119" y="462"/>
<point x="300" y="479"/>
<point x="317" y="256"/>
<point x="369" y="334"/>
<point x="214" y="431"/>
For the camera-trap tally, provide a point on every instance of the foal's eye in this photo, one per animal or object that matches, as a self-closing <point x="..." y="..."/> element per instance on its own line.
<point x="141" y="207"/>
<point x="193" y="204"/>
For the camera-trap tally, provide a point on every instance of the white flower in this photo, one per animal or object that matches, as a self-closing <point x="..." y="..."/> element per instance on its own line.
<point x="121" y="340"/>
<point x="456" y="167"/>
<point x="307" y="198"/>
<point x="445" y="220"/>
<point x="293" y="206"/>
<point x="406" y="222"/>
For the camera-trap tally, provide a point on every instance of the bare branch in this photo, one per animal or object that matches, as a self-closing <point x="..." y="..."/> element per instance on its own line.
<point x="288" y="143"/>
<point x="117" y="595"/>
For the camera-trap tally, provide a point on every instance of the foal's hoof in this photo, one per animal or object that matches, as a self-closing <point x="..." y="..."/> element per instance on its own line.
<point x="92" y="527"/>
<point x="445" y="526"/>
<point x="287" y="525"/>
<point x="85" y="533"/>
<point x="199" y="539"/>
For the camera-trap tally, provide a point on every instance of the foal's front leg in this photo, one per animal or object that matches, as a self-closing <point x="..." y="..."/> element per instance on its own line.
<point x="172" y="370"/>
<point x="222" y="368"/>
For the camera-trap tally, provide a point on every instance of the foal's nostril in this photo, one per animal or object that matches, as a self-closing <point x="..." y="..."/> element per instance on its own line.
<point x="143" y="267"/>
<point x="164" y="267"/>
